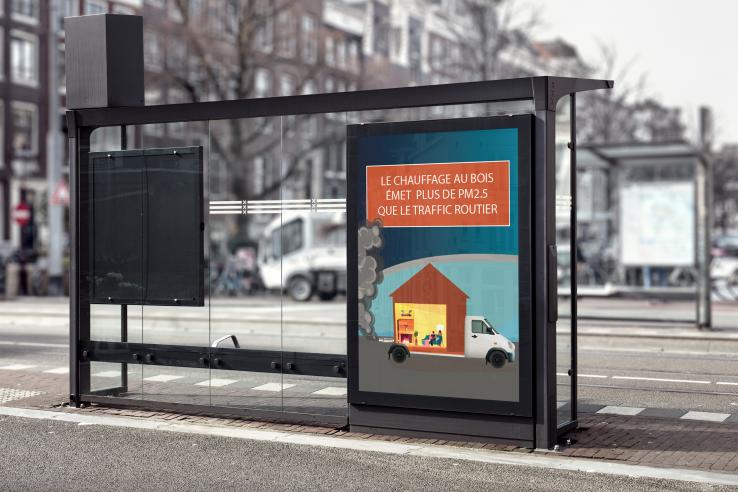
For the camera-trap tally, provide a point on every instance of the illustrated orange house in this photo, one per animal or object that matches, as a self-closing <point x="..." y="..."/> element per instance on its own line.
<point x="429" y="312"/>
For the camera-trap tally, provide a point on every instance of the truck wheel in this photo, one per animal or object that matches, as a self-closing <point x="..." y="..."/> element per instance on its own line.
<point x="300" y="289"/>
<point x="327" y="296"/>
<point x="398" y="353"/>
<point x="496" y="359"/>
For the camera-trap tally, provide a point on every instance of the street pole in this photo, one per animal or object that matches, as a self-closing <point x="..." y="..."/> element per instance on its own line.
<point x="54" y="158"/>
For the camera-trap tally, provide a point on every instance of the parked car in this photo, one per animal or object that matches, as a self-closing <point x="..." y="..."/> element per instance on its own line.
<point x="725" y="260"/>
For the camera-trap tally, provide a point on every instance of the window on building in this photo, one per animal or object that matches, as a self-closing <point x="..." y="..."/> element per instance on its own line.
<point x="25" y="129"/>
<point x="286" y="34"/>
<point x="353" y="56"/>
<point x="153" y="53"/>
<point x="286" y="85"/>
<point x="341" y="53"/>
<point x="24" y="58"/>
<point x="329" y="85"/>
<point x="309" y="39"/>
<point x="176" y="54"/>
<point x="262" y="83"/>
<point x="124" y="10"/>
<point x="309" y="87"/>
<point x="264" y="17"/>
<point x="70" y="8"/>
<point x="25" y="10"/>
<point x="93" y="7"/>
<point x="330" y="51"/>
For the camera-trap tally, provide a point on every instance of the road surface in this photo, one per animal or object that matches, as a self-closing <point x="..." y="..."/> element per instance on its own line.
<point x="674" y="375"/>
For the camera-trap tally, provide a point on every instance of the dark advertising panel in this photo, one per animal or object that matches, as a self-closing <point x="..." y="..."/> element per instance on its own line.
<point x="442" y="320"/>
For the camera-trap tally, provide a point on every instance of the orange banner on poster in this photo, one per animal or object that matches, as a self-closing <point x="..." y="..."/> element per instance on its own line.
<point x="439" y="195"/>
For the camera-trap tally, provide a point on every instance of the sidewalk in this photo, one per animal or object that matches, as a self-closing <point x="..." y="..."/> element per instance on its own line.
<point x="633" y="440"/>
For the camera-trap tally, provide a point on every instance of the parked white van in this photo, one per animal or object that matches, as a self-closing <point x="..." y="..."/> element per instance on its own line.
<point x="303" y="253"/>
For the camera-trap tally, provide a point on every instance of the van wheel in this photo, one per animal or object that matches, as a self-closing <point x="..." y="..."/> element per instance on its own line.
<point x="496" y="359"/>
<point x="300" y="289"/>
<point x="327" y="296"/>
<point x="398" y="353"/>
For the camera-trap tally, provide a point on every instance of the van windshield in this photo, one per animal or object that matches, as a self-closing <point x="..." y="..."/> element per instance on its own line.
<point x="489" y="327"/>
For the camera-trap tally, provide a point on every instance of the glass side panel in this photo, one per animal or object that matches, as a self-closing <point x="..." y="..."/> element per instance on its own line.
<point x="174" y="188"/>
<point x="245" y="241"/>
<point x="313" y="261"/>
<point x="114" y="269"/>
<point x="566" y="257"/>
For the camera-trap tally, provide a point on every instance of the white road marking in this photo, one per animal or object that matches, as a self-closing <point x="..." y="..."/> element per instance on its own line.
<point x="273" y="387"/>
<point x="215" y="382"/>
<point x="162" y="378"/>
<point x="395" y="448"/>
<point x="34" y="344"/>
<point x="596" y="376"/>
<point x="331" y="391"/>
<point x="727" y="383"/>
<point x="616" y="410"/>
<point x="108" y="374"/>
<point x="17" y="367"/>
<point x="661" y="380"/>
<point x="707" y="416"/>
<point x="58" y="370"/>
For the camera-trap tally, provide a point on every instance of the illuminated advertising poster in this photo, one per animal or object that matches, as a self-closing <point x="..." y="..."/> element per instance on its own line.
<point x="438" y="267"/>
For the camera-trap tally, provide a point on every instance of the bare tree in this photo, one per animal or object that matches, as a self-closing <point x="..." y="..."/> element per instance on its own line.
<point x="228" y="42"/>
<point x="725" y="187"/>
<point x="626" y="113"/>
<point x="487" y="30"/>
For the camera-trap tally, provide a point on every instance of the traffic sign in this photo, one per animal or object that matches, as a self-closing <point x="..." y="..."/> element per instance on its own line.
<point x="61" y="194"/>
<point x="22" y="214"/>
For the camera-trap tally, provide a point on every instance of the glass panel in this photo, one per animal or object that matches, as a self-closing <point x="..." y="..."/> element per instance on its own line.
<point x="114" y="190"/>
<point x="637" y="220"/>
<point x="175" y="323"/>
<point x="565" y="251"/>
<point x="313" y="239"/>
<point x="245" y="241"/>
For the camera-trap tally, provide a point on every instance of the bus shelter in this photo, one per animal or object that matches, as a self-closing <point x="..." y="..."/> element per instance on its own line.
<point x="277" y="257"/>
<point x="644" y="230"/>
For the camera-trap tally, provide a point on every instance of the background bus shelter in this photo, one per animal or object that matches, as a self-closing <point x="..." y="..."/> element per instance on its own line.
<point x="644" y="232"/>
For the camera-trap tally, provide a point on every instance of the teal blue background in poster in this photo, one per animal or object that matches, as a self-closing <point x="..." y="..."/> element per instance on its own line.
<point x="492" y="287"/>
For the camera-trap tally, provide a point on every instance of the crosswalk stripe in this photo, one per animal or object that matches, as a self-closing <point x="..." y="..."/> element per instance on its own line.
<point x="162" y="378"/>
<point x="58" y="370"/>
<point x="215" y="382"/>
<point x="108" y="374"/>
<point x="273" y="387"/>
<point x="17" y="367"/>
<point x="618" y="410"/>
<point x="707" y="416"/>
<point x="331" y="391"/>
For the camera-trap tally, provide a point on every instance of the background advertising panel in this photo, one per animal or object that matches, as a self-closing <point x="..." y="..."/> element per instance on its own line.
<point x="442" y="318"/>
<point x="658" y="224"/>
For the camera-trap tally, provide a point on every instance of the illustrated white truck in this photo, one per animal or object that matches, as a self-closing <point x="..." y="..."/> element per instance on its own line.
<point x="303" y="253"/>
<point x="480" y="341"/>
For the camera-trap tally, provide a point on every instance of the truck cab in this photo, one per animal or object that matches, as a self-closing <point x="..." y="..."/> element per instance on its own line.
<point x="482" y="341"/>
<point x="303" y="253"/>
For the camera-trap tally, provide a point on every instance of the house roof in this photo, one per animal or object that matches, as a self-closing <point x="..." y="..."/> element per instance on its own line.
<point x="428" y="283"/>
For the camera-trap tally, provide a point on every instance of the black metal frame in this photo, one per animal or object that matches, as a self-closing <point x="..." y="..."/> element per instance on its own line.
<point x="544" y="92"/>
<point x="524" y="406"/>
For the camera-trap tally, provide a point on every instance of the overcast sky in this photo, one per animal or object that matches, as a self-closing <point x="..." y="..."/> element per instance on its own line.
<point x="688" y="48"/>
